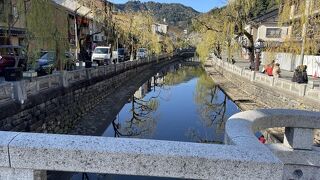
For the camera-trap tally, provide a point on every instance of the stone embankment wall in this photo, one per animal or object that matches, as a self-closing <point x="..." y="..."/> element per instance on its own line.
<point x="269" y="91"/>
<point x="58" y="101"/>
<point x="251" y="90"/>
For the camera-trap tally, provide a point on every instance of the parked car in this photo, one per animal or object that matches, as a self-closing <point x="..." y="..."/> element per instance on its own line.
<point x="8" y="53"/>
<point x="101" y="55"/>
<point x="47" y="62"/>
<point x="142" y="53"/>
<point x="123" y="55"/>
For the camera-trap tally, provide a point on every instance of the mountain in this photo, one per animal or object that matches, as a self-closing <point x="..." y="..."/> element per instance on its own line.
<point x="174" y="14"/>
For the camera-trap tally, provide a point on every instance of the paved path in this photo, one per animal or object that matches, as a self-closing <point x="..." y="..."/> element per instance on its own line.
<point x="284" y="73"/>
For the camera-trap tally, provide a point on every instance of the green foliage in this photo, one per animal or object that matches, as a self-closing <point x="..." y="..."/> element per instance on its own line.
<point x="262" y="6"/>
<point x="183" y="75"/>
<point x="304" y="22"/>
<point x="47" y="29"/>
<point x="175" y="14"/>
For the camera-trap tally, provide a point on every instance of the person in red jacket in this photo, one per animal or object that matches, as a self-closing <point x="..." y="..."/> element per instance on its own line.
<point x="262" y="139"/>
<point x="269" y="68"/>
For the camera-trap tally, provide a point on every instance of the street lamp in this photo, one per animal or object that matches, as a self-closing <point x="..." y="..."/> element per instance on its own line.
<point x="259" y="45"/>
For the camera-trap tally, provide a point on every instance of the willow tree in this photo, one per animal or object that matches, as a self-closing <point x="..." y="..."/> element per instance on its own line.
<point x="304" y="21"/>
<point x="239" y="15"/>
<point x="12" y="14"/>
<point x="136" y="31"/>
<point x="101" y="12"/>
<point x="228" y="29"/>
<point x="217" y="34"/>
<point x="47" y="28"/>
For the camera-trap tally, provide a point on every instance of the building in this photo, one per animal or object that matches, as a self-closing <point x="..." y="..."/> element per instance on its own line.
<point x="300" y="44"/>
<point x="267" y="29"/>
<point x="160" y="28"/>
<point x="266" y="32"/>
<point x="16" y="25"/>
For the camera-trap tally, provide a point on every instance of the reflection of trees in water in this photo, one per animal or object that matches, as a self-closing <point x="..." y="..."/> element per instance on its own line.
<point x="211" y="107"/>
<point x="185" y="74"/>
<point x="142" y="122"/>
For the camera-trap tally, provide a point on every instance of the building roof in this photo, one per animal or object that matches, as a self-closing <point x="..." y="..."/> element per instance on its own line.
<point x="270" y="16"/>
<point x="73" y="6"/>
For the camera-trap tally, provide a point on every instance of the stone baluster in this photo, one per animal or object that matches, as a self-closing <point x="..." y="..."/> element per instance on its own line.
<point x="298" y="138"/>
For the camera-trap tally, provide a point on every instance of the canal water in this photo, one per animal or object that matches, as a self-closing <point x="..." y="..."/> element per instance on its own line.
<point x="179" y="103"/>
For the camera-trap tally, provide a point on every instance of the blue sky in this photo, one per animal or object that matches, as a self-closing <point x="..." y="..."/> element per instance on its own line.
<point x="199" y="5"/>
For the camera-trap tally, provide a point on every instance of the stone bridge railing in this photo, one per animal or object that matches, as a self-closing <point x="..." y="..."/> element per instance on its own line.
<point x="28" y="156"/>
<point x="302" y="90"/>
<point x="301" y="158"/>
<point x="20" y="90"/>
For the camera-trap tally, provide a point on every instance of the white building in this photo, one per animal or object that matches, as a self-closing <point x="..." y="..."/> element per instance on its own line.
<point x="160" y="28"/>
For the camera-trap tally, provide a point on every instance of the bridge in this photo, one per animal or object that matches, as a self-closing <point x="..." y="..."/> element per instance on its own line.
<point x="26" y="155"/>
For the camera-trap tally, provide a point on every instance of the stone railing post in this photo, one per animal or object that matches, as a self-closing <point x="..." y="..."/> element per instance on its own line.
<point x="89" y="75"/>
<point x="25" y="174"/>
<point x="302" y="90"/>
<point x="253" y="76"/>
<point x="64" y="79"/>
<point x="19" y="91"/>
<point x="272" y="81"/>
<point x="298" y="138"/>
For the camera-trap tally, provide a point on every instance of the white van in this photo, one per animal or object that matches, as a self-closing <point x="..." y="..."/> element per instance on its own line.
<point x="142" y="53"/>
<point x="101" y="55"/>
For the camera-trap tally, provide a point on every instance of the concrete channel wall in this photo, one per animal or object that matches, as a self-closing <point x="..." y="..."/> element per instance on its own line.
<point x="54" y="103"/>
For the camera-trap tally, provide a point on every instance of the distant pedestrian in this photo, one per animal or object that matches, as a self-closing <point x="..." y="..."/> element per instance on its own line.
<point x="262" y="139"/>
<point x="276" y="70"/>
<point x="232" y="60"/>
<point x="300" y="75"/>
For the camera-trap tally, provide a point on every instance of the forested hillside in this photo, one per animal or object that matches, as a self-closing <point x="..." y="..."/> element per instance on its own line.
<point x="174" y="14"/>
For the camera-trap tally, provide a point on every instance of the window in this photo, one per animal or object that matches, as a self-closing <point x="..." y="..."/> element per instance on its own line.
<point x="273" y="33"/>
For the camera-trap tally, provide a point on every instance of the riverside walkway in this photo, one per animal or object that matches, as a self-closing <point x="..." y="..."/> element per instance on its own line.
<point x="253" y="90"/>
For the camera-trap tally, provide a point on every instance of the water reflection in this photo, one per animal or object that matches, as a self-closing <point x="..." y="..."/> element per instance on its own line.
<point x="212" y="107"/>
<point x="180" y="103"/>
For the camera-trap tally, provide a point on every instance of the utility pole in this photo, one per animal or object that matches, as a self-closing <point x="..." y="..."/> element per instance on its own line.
<point x="76" y="33"/>
<point x="304" y="30"/>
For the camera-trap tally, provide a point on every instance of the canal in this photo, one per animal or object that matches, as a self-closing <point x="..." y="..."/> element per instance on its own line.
<point x="179" y="103"/>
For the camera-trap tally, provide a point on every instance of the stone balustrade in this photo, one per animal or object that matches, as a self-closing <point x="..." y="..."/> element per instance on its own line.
<point x="29" y="155"/>
<point x="6" y="92"/>
<point x="26" y="155"/>
<point x="300" y="157"/>
<point x="302" y="90"/>
<point x="20" y="91"/>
